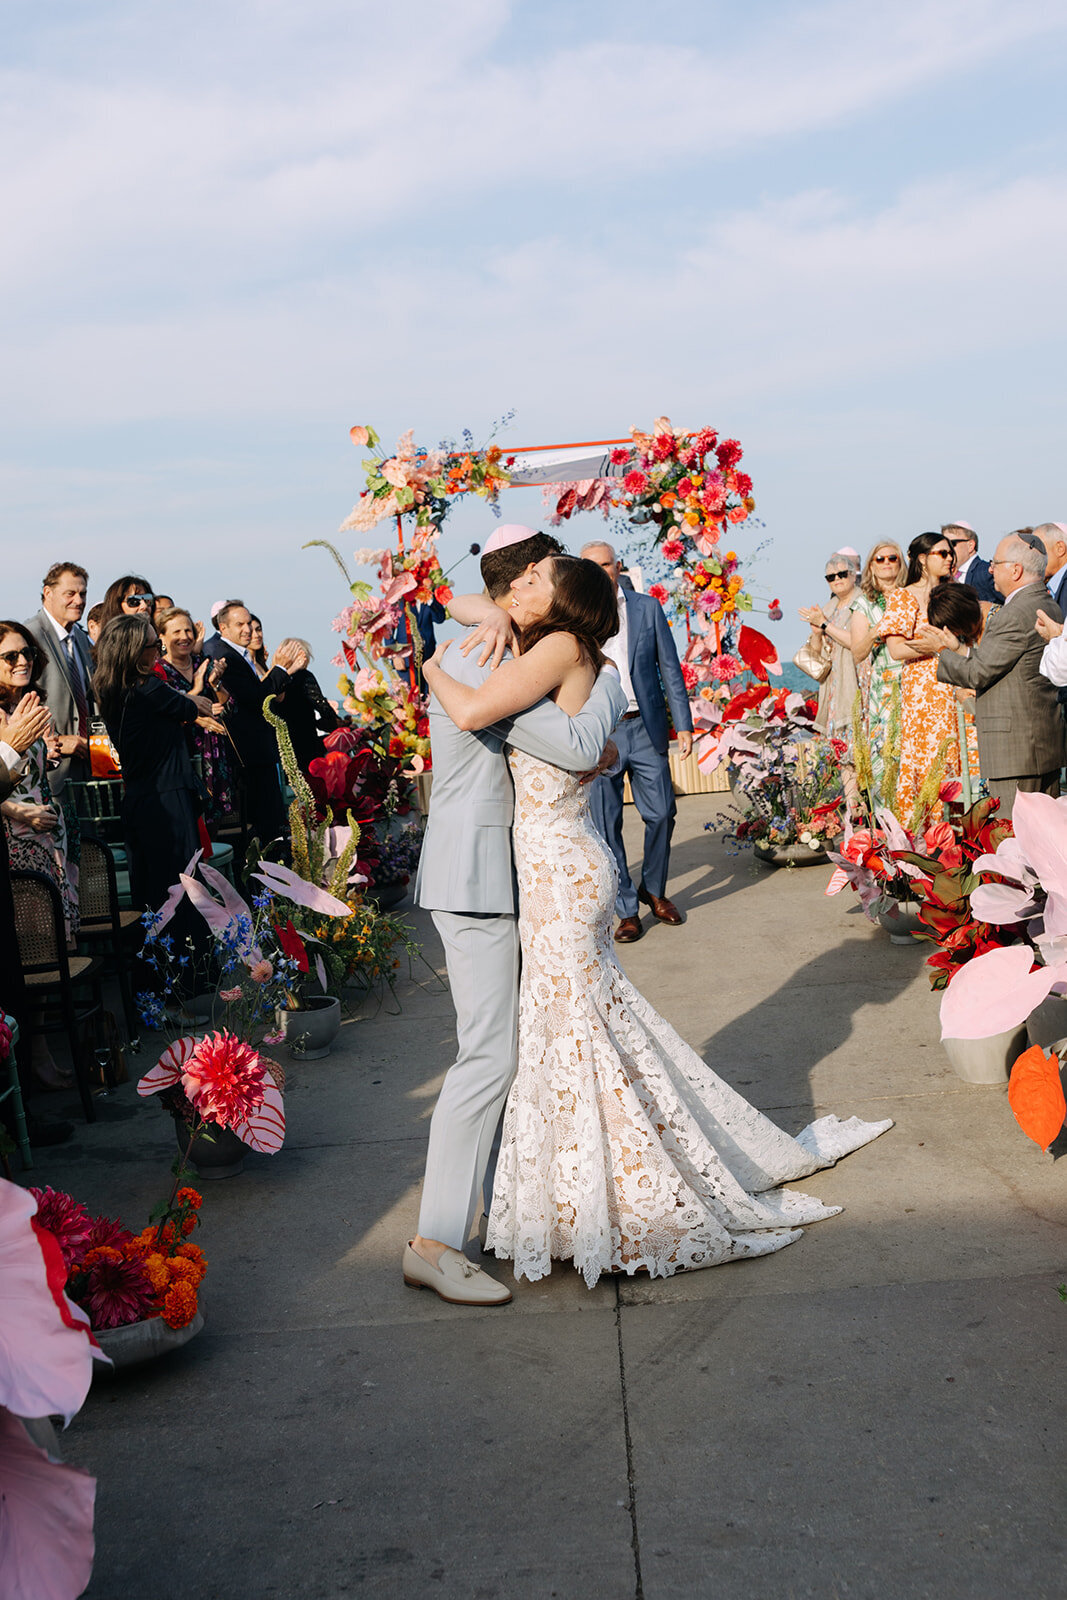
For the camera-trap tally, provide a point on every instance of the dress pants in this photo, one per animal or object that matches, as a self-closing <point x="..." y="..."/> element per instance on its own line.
<point x="482" y="956"/>
<point x="653" y="792"/>
<point x="1005" y="789"/>
<point x="264" y="806"/>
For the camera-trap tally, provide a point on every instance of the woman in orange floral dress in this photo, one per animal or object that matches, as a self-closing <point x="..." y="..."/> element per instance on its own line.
<point x="927" y="708"/>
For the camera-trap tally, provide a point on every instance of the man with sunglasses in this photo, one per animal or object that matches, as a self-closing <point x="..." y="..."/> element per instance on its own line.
<point x="970" y="568"/>
<point x="65" y="684"/>
<point x="1020" y="731"/>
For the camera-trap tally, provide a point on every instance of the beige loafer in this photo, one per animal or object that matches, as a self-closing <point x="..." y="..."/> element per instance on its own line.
<point x="456" y="1279"/>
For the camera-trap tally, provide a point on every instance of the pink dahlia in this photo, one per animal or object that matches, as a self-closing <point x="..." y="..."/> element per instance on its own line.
<point x="224" y="1079"/>
<point x="635" y="482"/>
<point x="106" y="1231"/>
<point x="116" y="1293"/>
<point x="658" y="592"/>
<point x="673" y="549"/>
<point x="725" y="667"/>
<point x="67" y="1221"/>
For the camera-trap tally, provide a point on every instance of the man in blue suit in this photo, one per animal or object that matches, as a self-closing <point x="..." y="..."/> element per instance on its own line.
<point x="644" y="652"/>
<point x="970" y="568"/>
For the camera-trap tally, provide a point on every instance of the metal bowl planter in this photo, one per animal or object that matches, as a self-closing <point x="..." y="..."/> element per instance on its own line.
<point x="143" y="1341"/>
<point x="218" y="1155"/>
<point x="788" y="855"/>
<point x="900" y="921"/>
<point x="986" y="1061"/>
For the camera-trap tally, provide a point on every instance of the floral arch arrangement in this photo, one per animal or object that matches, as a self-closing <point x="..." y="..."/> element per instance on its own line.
<point x="682" y="488"/>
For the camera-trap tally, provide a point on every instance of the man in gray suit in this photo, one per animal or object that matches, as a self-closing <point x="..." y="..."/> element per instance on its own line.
<point x="1020" y="731"/>
<point x="466" y="878"/>
<point x="65" y="684"/>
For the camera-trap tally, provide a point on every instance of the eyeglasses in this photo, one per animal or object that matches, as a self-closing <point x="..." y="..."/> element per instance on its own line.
<point x="996" y="563"/>
<point x="832" y="577"/>
<point x="946" y="555"/>
<point x="138" y="599"/>
<point x="886" y="561"/>
<point x="955" y="543"/>
<point x="11" y="656"/>
<point x="155" y="647"/>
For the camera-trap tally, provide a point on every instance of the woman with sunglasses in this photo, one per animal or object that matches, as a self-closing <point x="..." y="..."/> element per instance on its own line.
<point x="128" y="596"/>
<point x="928" y="721"/>
<point x="831" y="634"/>
<point x="33" y="822"/>
<point x="878" y="673"/>
<point x="147" y="720"/>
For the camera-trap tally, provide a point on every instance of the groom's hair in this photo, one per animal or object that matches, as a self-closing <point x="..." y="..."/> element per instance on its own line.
<point x="500" y="567"/>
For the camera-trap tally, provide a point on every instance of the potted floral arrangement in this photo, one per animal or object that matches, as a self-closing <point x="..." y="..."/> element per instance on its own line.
<point x="787" y="778"/>
<point x="140" y="1291"/>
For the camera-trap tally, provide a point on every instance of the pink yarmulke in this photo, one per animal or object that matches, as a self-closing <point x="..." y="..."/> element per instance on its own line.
<point x="510" y="533"/>
<point x="216" y="608"/>
<point x="958" y="522"/>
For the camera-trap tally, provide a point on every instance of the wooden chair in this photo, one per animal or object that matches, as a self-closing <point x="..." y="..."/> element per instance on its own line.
<point x="106" y="928"/>
<point x="14" y="1092"/>
<point x="51" y="972"/>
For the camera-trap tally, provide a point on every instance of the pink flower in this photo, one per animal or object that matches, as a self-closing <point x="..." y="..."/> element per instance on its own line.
<point x="950" y="790"/>
<point x="67" y="1222"/>
<point x="684" y="486"/>
<point x="231" y="994"/>
<point x="725" y="667"/>
<point x="105" y="1231"/>
<point x="359" y="436"/>
<point x="690" y="676"/>
<point x="938" y="837"/>
<point x="261" y="972"/>
<point x="224" y="1079"/>
<point x="117" y="1293"/>
<point x="729" y="453"/>
<point x="673" y="549"/>
<point x="619" y="456"/>
<point x="635" y="482"/>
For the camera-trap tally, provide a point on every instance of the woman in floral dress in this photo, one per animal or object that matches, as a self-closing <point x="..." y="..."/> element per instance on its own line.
<point x="879" y="674"/>
<point x="190" y="673"/>
<point x="927" y="707"/>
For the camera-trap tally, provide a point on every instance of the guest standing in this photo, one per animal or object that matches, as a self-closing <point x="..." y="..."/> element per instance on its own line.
<point x="831" y="634"/>
<point x="147" y="721"/>
<point x="257" y="650"/>
<point x="68" y="665"/>
<point x="970" y="568"/>
<point x="927" y="707"/>
<point x="252" y="735"/>
<point x="651" y="674"/>
<point x="879" y="674"/>
<point x="128" y="596"/>
<point x="307" y="713"/>
<point x="190" y="673"/>
<point x="1020" y="730"/>
<point x="33" y="821"/>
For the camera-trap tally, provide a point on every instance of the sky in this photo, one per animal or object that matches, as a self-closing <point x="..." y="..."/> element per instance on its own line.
<point x="833" y="231"/>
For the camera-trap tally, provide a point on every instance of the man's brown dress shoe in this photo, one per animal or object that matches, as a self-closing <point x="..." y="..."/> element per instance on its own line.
<point x="629" y="930"/>
<point x="663" y="910"/>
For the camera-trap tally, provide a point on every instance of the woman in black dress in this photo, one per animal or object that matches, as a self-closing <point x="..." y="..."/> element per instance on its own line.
<point x="307" y="713"/>
<point x="147" y="720"/>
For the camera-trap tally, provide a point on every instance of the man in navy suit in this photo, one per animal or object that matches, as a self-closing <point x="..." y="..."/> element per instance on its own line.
<point x="252" y="734"/>
<point x="644" y="652"/>
<point x="970" y="568"/>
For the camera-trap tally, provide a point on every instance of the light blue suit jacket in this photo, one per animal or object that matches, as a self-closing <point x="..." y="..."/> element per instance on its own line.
<point x="655" y="671"/>
<point x="466" y="863"/>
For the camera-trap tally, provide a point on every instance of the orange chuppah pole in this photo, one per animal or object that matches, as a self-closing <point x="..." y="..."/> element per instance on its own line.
<point x="412" y="675"/>
<point x="579" y="444"/>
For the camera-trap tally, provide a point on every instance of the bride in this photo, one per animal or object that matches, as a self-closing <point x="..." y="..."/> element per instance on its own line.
<point x="621" y="1149"/>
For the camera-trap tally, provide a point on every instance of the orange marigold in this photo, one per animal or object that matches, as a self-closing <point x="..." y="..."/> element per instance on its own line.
<point x="191" y="1252"/>
<point x="102" y="1252"/>
<point x="179" y="1307"/>
<point x="155" y="1267"/>
<point x="182" y="1271"/>
<point x="188" y="1197"/>
<point x="188" y="1225"/>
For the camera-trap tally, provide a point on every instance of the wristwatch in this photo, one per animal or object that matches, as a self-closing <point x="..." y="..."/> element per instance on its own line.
<point x="822" y="627"/>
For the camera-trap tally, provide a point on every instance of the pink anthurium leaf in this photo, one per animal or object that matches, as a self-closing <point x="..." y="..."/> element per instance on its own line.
<point x="265" y="1129"/>
<point x="175" y="895"/>
<point x="837" y="882"/>
<point x="320" y="970"/>
<point x="235" y="905"/>
<point x="995" y="992"/>
<point x="1001" y="902"/>
<point x="282" y="880"/>
<point x="168" y="1069"/>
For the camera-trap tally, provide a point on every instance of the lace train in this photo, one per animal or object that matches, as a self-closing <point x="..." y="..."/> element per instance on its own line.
<point x="621" y="1149"/>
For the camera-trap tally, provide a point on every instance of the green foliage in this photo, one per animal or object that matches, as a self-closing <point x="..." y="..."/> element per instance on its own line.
<point x="927" y="797"/>
<point x="309" y="835"/>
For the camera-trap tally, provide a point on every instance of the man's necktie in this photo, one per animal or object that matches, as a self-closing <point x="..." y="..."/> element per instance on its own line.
<point x="74" y="668"/>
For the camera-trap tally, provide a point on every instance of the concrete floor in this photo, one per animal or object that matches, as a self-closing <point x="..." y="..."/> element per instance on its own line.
<point x="874" y="1413"/>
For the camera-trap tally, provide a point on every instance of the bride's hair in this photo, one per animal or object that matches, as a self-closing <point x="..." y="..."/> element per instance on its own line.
<point x="583" y="603"/>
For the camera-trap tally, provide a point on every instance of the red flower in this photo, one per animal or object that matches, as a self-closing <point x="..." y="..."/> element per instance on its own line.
<point x="673" y="549"/>
<point x="729" y="453"/>
<point x="618" y="456"/>
<point x="442" y="594"/>
<point x="635" y="482"/>
<point x="291" y="944"/>
<point x="105" y="1231"/>
<point x="397" y="747"/>
<point x="68" y="1223"/>
<point x="938" y="836"/>
<point x="116" y="1293"/>
<point x="744" y="485"/>
<point x="684" y="486"/>
<point x="689" y="676"/>
<point x="705" y="441"/>
<point x="658" y="592"/>
<point x="663" y="446"/>
<point x="224" y="1078"/>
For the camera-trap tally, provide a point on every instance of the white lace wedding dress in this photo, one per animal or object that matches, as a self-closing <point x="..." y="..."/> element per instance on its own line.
<point x="621" y="1149"/>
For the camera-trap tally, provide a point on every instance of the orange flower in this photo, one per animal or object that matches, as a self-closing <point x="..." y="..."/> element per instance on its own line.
<point x="667" y="500"/>
<point x="188" y="1225"/>
<point x="188" y="1197"/>
<point x="102" y="1252"/>
<point x="180" y="1306"/>
<point x="155" y="1268"/>
<point x="182" y="1271"/>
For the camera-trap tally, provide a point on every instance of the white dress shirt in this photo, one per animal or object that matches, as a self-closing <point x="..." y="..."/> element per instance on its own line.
<point x="1054" y="661"/>
<point x="617" y="649"/>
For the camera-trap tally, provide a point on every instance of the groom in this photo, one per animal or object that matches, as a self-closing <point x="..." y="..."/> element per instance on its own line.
<point x="466" y="878"/>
